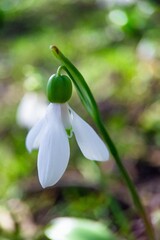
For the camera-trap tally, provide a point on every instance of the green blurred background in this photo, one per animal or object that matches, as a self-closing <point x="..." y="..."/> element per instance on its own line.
<point x="115" y="45"/>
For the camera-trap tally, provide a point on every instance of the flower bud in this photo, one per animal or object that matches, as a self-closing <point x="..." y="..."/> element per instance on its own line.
<point x="59" y="88"/>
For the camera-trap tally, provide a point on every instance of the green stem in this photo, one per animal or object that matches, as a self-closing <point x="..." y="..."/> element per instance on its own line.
<point x="91" y="106"/>
<point x="82" y="87"/>
<point x="135" y="196"/>
<point x="59" y="70"/>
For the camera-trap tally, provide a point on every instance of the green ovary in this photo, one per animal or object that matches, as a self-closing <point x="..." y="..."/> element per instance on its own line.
<point x="59" y="88"/>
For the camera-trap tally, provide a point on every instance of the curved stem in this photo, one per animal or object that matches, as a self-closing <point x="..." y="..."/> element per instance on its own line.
<point x="91" y="106"/>
<point x="59" y="70"/>
<point x="134" y="194"/>
<point x="81" y="85"/>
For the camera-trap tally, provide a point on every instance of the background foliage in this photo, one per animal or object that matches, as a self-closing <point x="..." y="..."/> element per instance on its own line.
<point x="115" y="44"/>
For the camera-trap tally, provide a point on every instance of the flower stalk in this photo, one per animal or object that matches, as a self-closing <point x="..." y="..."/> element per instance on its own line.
<point x="91" y="106"/>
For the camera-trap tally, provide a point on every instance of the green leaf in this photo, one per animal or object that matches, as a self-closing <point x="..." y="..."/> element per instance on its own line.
<point x="66" y="228"/>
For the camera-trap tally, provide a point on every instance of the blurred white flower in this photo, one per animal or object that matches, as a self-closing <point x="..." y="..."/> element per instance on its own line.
<point x="51" y="134"/>
<point x="31" y="108"/>
<point x="146" y="50"/>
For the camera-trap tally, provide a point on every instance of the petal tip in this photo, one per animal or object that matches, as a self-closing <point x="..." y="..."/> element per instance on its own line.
<point x="43" y="186"/>
<point x="28" y="145"/>
<point x="105" y="156"/>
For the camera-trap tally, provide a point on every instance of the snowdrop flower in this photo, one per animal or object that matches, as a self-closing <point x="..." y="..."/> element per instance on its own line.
<point x="51" y="133"/>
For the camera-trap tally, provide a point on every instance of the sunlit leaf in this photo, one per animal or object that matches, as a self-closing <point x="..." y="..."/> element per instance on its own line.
<point x="77" y="229"/>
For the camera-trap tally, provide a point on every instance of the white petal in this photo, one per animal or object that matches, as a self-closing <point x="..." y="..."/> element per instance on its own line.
<point x="89" y="142"/>
<point x="54" y="150"/>
<point x="33" y="137"/>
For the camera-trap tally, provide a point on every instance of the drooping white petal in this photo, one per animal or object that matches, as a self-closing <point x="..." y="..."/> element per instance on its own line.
<point x="54" y="149"/>
<point x="33" y="136"/>
<point x="89" y="142"/>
